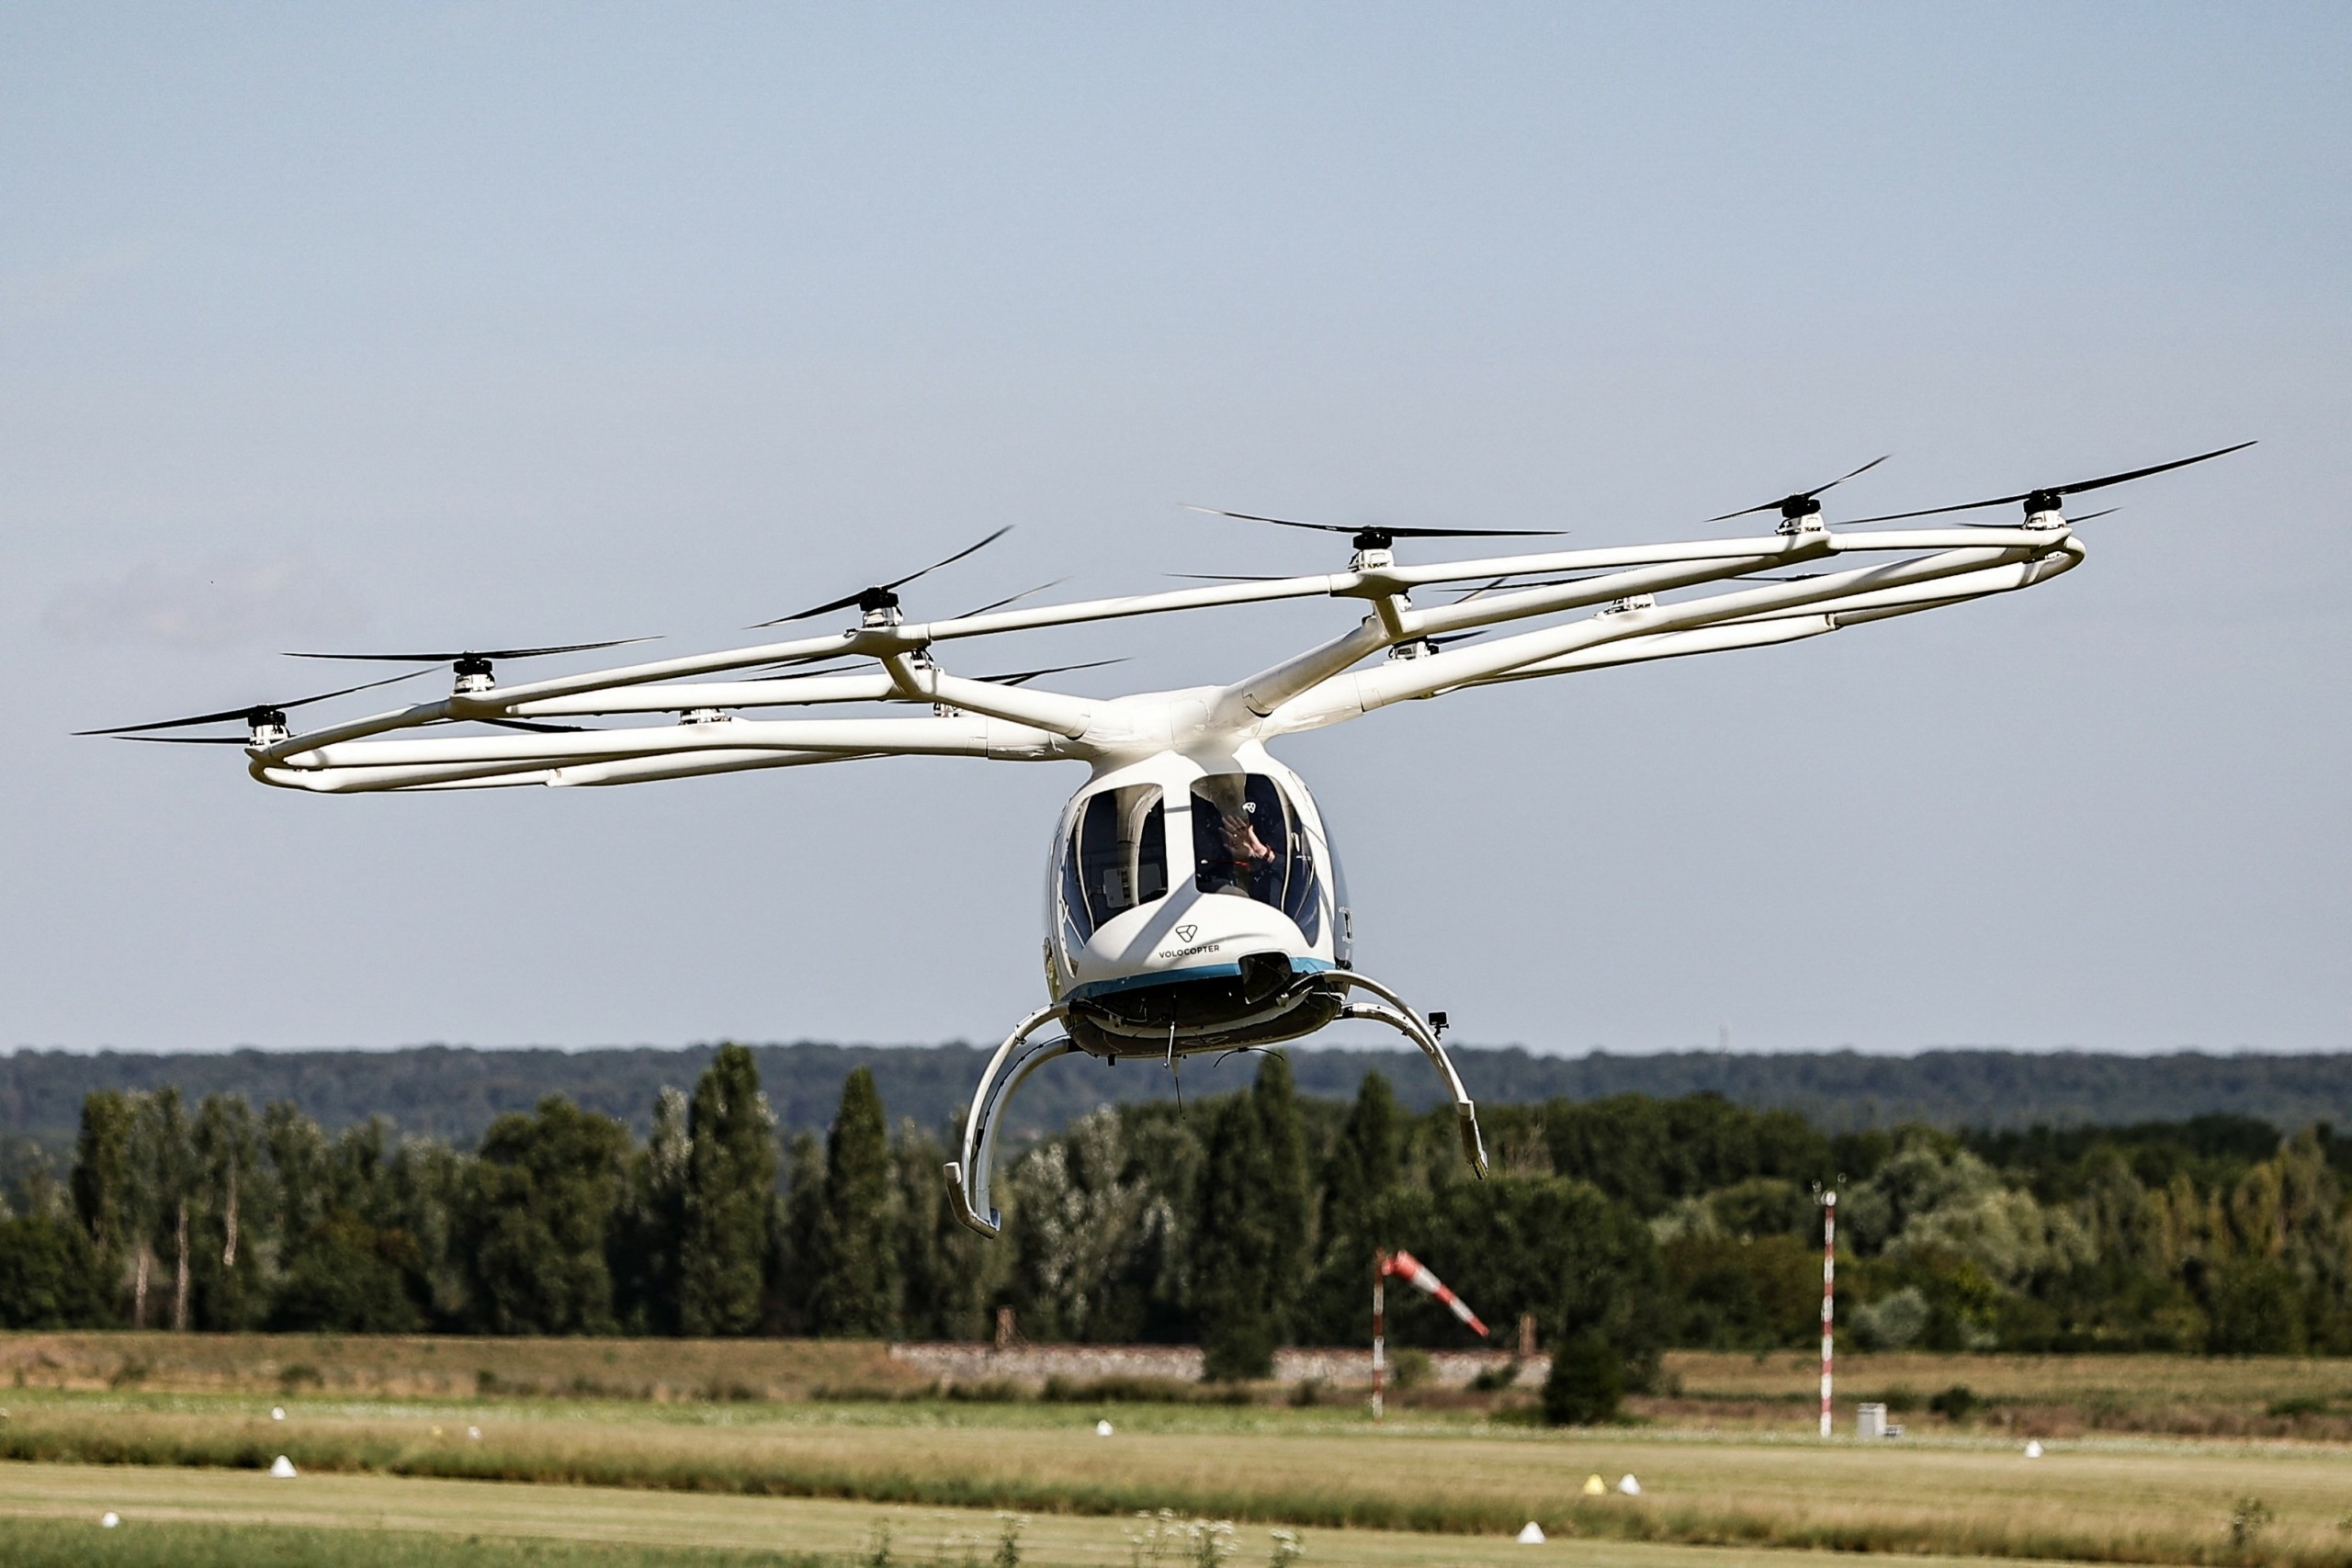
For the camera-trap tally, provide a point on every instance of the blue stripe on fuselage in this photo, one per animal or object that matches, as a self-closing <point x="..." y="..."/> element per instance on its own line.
<point x="1093" y="989"/>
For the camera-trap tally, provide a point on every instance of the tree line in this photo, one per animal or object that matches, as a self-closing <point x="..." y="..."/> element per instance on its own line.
<point x="1244" y="1222"/>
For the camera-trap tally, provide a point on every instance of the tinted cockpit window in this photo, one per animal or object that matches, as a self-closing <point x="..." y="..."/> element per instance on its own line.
<point x="1247" y="841"/>
<point x="1118" y="856"/>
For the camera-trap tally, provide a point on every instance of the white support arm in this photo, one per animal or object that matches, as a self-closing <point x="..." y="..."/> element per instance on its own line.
<point x="1356" y="693"/>
<point x="1066" y="716"/>
<point x="508" y="776"/>
<point x="793" y="692"/>
<point x="972" y="736"/>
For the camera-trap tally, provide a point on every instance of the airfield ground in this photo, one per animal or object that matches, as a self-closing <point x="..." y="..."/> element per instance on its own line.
<point x="2149" y="1460"/>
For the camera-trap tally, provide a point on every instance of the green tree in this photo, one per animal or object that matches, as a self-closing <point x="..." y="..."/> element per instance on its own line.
<point x="653" y="1219"/>
<point x="47" y="1277"/>
<point x="352" y="1276"/>
<point x="1253" y="1226"/>
<point x="1587" y="1382"/>
<point x="538" y="1219"/>
<point x="1362" y="1181"/>
<point x="228" y="1292"/>
<point x="162" y="1175"/>
<point x="944" y="1271"/>
<point x="855" y="1292"/>
<point x="101" y="1182"/>
<point x="731" y="1175"/>
<point x="804" y="1221"/>
<point x="348" y="1260"/>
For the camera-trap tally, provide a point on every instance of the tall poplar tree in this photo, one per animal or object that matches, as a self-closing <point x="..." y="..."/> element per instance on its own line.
<point x="855" y="1293"/>
<point x="1251" y="1240"/>
<point x="101" y="1181"/>
<point x="227" y="1269"/>
<point x="730" y="1174"/>
<point x="1360" y="1182"/>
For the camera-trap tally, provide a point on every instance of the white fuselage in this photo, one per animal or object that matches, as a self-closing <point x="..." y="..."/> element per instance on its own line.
<point x="1190" y="897"/>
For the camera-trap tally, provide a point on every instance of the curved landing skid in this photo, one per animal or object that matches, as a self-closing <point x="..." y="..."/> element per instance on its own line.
<point x="968" y="1178"/>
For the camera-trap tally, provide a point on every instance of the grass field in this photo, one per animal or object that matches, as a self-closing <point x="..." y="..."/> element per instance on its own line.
<point x="1727" y="1462"/>
<point x="48" y="1514"/>
<point x="2117" y="1500"/>
<point x="2021" y="1395"/>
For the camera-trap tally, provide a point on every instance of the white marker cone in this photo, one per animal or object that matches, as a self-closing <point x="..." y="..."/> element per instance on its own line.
<point x="277" y="1413"/>
<point x="1630" y="1487"/>
<point x="282" y="1468"/>
<point x="2033" y="1448"/>
<point x="109" y="1519"/>
<point x="1102" y="1429"/>
<point x="1531" y="1535"/>
<point x="1595" y="1488"/>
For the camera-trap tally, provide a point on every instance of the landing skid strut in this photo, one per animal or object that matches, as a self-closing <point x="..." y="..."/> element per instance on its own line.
<point x="968" y="1179"/>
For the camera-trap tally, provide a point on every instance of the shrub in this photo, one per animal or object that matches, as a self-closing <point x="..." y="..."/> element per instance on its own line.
<point x="1588" y="1381"/>
<point x="1956" y="1403"/>
<point x="1412" y="1368"/>
<point x="1493" y="1380"/>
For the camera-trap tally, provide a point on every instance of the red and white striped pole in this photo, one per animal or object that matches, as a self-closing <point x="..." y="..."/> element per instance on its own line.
<point x="1828" y="1295"/>
<point x="1379" y="1326"/>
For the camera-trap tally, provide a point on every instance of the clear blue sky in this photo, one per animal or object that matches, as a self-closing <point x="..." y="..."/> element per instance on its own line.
<point x="474" y="324"/>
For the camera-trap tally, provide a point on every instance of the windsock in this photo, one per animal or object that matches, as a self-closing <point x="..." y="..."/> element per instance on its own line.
<point x="1413" y="1271"/>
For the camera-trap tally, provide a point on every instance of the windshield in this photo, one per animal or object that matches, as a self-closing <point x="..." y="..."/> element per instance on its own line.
<point x="1118" y="856"/>
<point x="1247" y="841"/>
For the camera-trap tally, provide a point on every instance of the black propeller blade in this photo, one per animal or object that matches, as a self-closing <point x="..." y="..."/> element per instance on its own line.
<point x="1379" y="536"/>
<point x="1012" y="598"/>
<point x="1803" y="504"/>
<point x="470" y="654"/>
<point x="1517" y="587"/>
<point x="2048" y="497"/>
<point x="1024" y="676"/>
<point x="256" y="715"/>
<point x="883" y="596"/>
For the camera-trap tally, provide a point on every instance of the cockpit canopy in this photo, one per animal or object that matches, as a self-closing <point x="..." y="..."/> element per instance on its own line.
<point x="1247" y="841"/>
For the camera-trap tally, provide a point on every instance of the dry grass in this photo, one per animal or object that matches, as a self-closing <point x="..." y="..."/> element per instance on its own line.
<point x="2137" y="1502"/>
<point x="192" y="1520"/>
<point x="2253" y="1396"/>
<point x="2023" y="1395"/>
<point x="439" y="1366"/>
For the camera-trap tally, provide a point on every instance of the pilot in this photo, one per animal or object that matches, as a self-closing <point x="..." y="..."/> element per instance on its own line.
<point x="1231" y="850"/>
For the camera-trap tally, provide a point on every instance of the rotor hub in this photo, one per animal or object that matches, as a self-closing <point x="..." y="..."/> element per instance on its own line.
<point x="879" y="606"/>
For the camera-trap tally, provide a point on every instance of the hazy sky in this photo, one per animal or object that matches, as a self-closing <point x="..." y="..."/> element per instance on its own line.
<point x="350" y="326"/>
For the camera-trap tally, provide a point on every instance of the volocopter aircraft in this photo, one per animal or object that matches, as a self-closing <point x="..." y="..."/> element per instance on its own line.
<point x="1193" y="902"/>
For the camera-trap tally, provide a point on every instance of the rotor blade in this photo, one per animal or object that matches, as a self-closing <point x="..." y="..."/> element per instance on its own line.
<point x="1383" y="528"/>
<point x="1775" y="505"/>
<point x="847" y="600"/>
<point x="228" y="714"/>
<point x="951" y="560"/>
<point x="491" y="653"/>
<point x="185" y="740"/>
<point x="2078" y="488"/>
<point x="1517" y="587"/>
<point x="1012" y="599"/>
<point x="1218" y="577"/>
<point x="537" y="728"/>
<point x="1027" y="675"/>
<point x="810" y="614"/>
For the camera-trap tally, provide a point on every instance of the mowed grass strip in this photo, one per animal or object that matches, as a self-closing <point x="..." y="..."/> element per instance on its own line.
<point x="2142" y="1504"/>
<point x="48" y="1514"/>
<point x="54" y="1543"/>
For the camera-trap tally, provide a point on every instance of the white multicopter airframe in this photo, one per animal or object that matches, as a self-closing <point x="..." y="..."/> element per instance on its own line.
<point x="1193" y="902"/>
